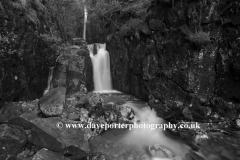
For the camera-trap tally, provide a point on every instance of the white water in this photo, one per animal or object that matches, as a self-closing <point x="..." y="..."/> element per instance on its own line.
<point x="136" y="138"/>
<point x="141" y="137"/>
<point x="101" y="67"/>
<point x="50" y="76"/>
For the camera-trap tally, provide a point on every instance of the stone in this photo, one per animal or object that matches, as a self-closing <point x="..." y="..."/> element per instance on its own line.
<point x="13" y="139"/>
<point x="126" y="114"/>
<point x="187" y="113"/>
<point x="74" y="153"/>
<point x="94" y="101"/>
<point x="28" y="152"/>
<point x="52" y="103"/>
<point x="158" y="151"/>
<point x="45" y="154"/>
<point x="15" y="109"/>
<point x="75" y="116"/>
<point x="9" y="111"/>
<point x="51" y="133"/>
<point x="237" y="121"/>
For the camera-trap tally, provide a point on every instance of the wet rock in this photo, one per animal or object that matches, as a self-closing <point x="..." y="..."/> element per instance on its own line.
<point x="91" y="108"/>
<point x="78" y="99"/>
<point x="15" y="109"/>
<point x="51" y="133"/>
<point x="74" y="153"/>
<point x="45" y="154"/>
<point x="75" y="116"/>
<point x="220" y="147"/>
<point x="9" y="111"/>
<point x="73" y="113"/>
<point x="237" y="121"/>
<point x="193" y="156"/>
<point x="187" y="113"/>
<point x="109" y="144"/>
<point x="51" y="104"/>
<point x="84" y="115"/>
<point x="28" y="153"/>
<point x="126" y="113"/>
<point x="158" y="151"/>
<point x="95" y="100"/>
<point x="12" y="139"/>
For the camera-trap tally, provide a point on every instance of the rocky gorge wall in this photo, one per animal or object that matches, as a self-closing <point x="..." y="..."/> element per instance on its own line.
<point x="173" y="53"/>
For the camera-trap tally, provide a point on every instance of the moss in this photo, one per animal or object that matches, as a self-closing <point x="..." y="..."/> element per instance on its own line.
<point x="199" y="38"/>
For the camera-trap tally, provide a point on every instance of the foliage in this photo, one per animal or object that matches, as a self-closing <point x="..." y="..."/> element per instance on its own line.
<point x="199" y="37"/>
<point x="68" y="16"/>
<point x="126" y="16"/>
<point x="108" y="7"/>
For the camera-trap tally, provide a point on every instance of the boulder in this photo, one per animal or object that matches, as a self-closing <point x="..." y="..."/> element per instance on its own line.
<point x="52" y="103"/>
<point x="94" y="101"/>
<point x="45" y="154"/>
<point x="51" y="133"/>
<point x="12" y="139"/>
<point x="74" y="153"/>
<point x="9" y="111"/>
<point x="15" y="109"/>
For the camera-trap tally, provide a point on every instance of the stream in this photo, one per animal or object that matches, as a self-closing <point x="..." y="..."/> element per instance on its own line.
<point x="138" y="143"/>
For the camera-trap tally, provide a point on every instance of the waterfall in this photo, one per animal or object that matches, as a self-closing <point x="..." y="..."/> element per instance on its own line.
<point x="101" y="67"/>
<point x="50" y="75"/>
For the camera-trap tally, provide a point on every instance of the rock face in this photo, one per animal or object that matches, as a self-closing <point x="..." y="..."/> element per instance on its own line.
<point x="178" y="53"/>
<point x="59" y="75"/>
<point x="74" y="69"/>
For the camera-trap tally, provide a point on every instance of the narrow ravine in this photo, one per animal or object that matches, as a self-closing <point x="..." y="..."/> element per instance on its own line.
<point x="119" y="80"/>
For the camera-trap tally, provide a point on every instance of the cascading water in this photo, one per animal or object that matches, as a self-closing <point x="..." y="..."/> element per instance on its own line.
<point x="135" y="138"/>
<point x="140" y="137"/>
<point x="101" y="67"/>
<point x="50" y="75"/>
